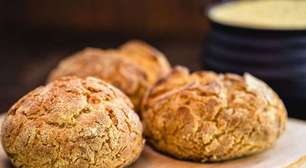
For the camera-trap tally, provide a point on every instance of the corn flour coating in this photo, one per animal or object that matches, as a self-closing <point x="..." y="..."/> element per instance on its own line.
<point x="153" y="62"/>
<point x="107" y="65"/>
<point x="204" y="116"/>
<point x="73" y="123"/>
<point x="133" y="68"/>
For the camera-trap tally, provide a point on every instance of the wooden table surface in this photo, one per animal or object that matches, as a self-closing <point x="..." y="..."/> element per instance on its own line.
<point x="289" y="152"/>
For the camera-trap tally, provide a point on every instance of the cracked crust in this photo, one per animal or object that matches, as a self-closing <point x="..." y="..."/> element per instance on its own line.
<point x="204" y="116"/>
<point x="152" y="61"/>
<point x="73" y="123"/>
<point x="108" y="65"/>
<point x="133" y="68"/>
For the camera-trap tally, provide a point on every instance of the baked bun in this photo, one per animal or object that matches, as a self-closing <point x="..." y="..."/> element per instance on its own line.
<point x="133" y="68"/>
<point x="108" y="65"/>
<point x="152" y="61"/>
<point x="204" y="116"/>
<point x="72" y="123"/>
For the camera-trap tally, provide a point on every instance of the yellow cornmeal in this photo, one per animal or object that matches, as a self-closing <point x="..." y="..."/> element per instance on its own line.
<point x="262" y="14"/>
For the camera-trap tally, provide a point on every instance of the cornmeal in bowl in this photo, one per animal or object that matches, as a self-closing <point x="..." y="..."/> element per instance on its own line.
<point x="261" y="14"/>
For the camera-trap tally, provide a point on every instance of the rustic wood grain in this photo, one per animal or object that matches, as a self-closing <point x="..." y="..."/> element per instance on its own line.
<point x="290" y="152"/>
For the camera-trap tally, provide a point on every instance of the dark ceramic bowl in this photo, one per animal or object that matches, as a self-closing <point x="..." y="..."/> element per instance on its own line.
<point x="275" y="56"/>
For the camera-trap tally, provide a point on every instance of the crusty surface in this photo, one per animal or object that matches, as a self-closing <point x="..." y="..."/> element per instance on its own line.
<point x="152" y="61"/>
<point x="72" y="123"/>
<point x="204" y="116"/>
<point x="108" y="65"/>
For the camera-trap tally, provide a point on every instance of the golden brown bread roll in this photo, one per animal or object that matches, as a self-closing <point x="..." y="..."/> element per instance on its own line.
<point x="108" y="65"/>
<point x="73" y="123"/>
<point x="204" y="116"/>
<point x="152" y="61"/>
<point x="133" y="68"/>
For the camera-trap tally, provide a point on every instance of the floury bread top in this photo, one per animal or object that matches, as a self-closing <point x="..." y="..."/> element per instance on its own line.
<point x="71" y="123"/>
<point x="133" y="67"/>
<point x="204" y="116"/>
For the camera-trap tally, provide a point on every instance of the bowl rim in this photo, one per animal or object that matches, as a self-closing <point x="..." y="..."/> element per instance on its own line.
<point x="245" y="27"/>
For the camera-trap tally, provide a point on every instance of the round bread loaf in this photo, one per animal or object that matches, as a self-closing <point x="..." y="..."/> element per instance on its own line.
<point x="153" y="62"/>
<point x="133" y="68"/>
<point x="73" y="123"/>
<point x="204" y="116"/>
<point x="108" y="65"/>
